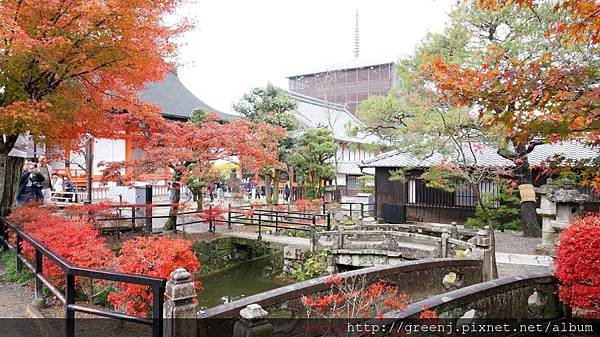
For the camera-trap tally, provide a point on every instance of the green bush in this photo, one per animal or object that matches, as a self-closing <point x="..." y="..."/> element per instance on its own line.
<point x="314" y="266"/>
<point x="11" y="274"/>
<point x="504" y="210"/>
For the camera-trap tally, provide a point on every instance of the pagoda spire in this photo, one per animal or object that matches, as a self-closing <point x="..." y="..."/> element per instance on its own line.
<point x="356" y="37"/>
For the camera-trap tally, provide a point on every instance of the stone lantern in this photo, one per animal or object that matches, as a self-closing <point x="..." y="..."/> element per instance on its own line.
<point x="547" y="211"/>
<point x="567" y="202"/>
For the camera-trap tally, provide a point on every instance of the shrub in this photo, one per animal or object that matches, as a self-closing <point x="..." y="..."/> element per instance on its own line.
<point x="150" y="256"/>
<point x="214" y="213"/>
<point x="313" y="266"/>
<point x="353" y="297"/>
<point x="308" y="206"/>
<point x="77" y="241"/>
<point x="577" y="265"/>
<point x="503" y="208"/>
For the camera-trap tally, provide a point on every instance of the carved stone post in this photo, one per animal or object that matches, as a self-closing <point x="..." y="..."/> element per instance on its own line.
<point x="253" y="323"/>
<point x="482" y="251"/>
<point x="179" y="309"/>
<point x="454" y="230"/>
<point x="444" y="250"/>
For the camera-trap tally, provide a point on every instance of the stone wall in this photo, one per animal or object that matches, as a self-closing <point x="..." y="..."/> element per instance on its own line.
<point x="227" y="252"/>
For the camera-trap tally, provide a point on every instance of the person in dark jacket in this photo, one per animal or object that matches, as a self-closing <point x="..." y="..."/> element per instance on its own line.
<point x="30" y="185"/>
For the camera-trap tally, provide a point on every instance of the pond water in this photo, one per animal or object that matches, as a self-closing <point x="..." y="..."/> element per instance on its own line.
<point x="249" y="278"/>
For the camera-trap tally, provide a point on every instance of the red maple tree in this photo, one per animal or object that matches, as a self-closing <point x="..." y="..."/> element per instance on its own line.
<point x="191" y="150"/>
<point x="75" y="67"/>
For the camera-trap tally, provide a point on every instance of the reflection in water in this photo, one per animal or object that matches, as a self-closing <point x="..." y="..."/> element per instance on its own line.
<point x="249" y="278"/>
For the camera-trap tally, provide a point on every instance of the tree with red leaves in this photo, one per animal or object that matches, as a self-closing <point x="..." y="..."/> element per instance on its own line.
<point x="190" y="150"/>
<point x="76" y="67"/>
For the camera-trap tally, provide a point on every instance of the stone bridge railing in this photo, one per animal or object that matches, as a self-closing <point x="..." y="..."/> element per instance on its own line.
<point x="512" y="301"/>
<point x="433" y="229"/>
<point x="533" y="296"/>
<point x="419" y="279"/>
<point x="408" y="246"/>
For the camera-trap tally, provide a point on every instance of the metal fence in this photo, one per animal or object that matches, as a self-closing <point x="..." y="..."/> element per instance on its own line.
<point x="68" y="297"/>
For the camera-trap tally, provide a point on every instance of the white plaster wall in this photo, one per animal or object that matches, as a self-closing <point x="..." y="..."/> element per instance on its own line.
<point x="107" y="150"/>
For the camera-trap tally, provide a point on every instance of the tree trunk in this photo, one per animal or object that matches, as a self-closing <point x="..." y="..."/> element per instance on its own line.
<point x="492" y="235"/>
<point x="174" y="207"/>
<point x="531" y="227"/>
<point x="89" y="168"/>
<point x="10" y="173"/>
<point x="199" y="199"/>
<point x="268" y="187"/>
<point x="276" y="187"/>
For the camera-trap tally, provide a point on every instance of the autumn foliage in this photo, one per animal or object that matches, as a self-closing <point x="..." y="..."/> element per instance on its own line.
<point x="150" y="256"/>
<point x="353" y="297"/>
<point x="75" y="240"/>
<point x="577" y="265"/>
<point x="81" y="244"/>
<point x="72" y="67"/>
<point x="308" y="206"/>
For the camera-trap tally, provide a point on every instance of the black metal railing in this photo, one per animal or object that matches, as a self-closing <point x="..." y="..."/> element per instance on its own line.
<point x="278" y="220"/>
<point x="71" y="271"/>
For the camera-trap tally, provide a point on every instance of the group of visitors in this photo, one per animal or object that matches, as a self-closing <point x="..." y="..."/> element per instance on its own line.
<point x="38" y="182"/>
<point x="256" y="191"/>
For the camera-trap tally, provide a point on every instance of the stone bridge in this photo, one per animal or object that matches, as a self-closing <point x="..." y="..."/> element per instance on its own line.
<point x="419" y="279"/>
<point x="352" y="249"/>
<point x="464" y="300"/>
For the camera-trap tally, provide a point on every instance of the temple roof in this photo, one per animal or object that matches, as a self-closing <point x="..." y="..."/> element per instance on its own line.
<point x="176" y="101"/>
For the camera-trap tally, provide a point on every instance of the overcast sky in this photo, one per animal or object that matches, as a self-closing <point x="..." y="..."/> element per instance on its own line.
<point x="240" y="44"/>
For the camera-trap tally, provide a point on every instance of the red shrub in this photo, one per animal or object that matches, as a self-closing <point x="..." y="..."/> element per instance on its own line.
<point x="150" y="256"/>
<point x="77" y="241"/>
<point x="214" y="213"/>
<point x="29" y="212"/>
<point x="305" y="205"/>
<point x="354" y="298"/>
<point x="578" y="267"/>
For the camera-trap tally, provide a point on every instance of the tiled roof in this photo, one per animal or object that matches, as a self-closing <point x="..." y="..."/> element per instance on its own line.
<point x="352" y="168"/>
<point x="313" y="113"/>
<point x="485" y="156"/>
<point x="176" y="100"/>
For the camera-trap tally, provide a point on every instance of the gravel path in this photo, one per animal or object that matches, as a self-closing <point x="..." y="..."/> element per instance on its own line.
<point x="13" y="298"/>
<point x="514" y="242"/>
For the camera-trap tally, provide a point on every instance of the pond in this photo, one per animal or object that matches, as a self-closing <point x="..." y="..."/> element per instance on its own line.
<point x="248" y="278"/>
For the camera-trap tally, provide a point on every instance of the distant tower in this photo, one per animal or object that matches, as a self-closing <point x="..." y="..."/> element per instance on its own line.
<point x="356" y="37"/>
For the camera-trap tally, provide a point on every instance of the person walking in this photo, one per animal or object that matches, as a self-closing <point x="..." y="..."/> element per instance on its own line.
<point x="45" y="170"/>
<point x="30" y="185"/>
<point x="286" y="192"/>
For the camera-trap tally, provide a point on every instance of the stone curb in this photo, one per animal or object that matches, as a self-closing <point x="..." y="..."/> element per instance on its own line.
<point x="41" y="325"/>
